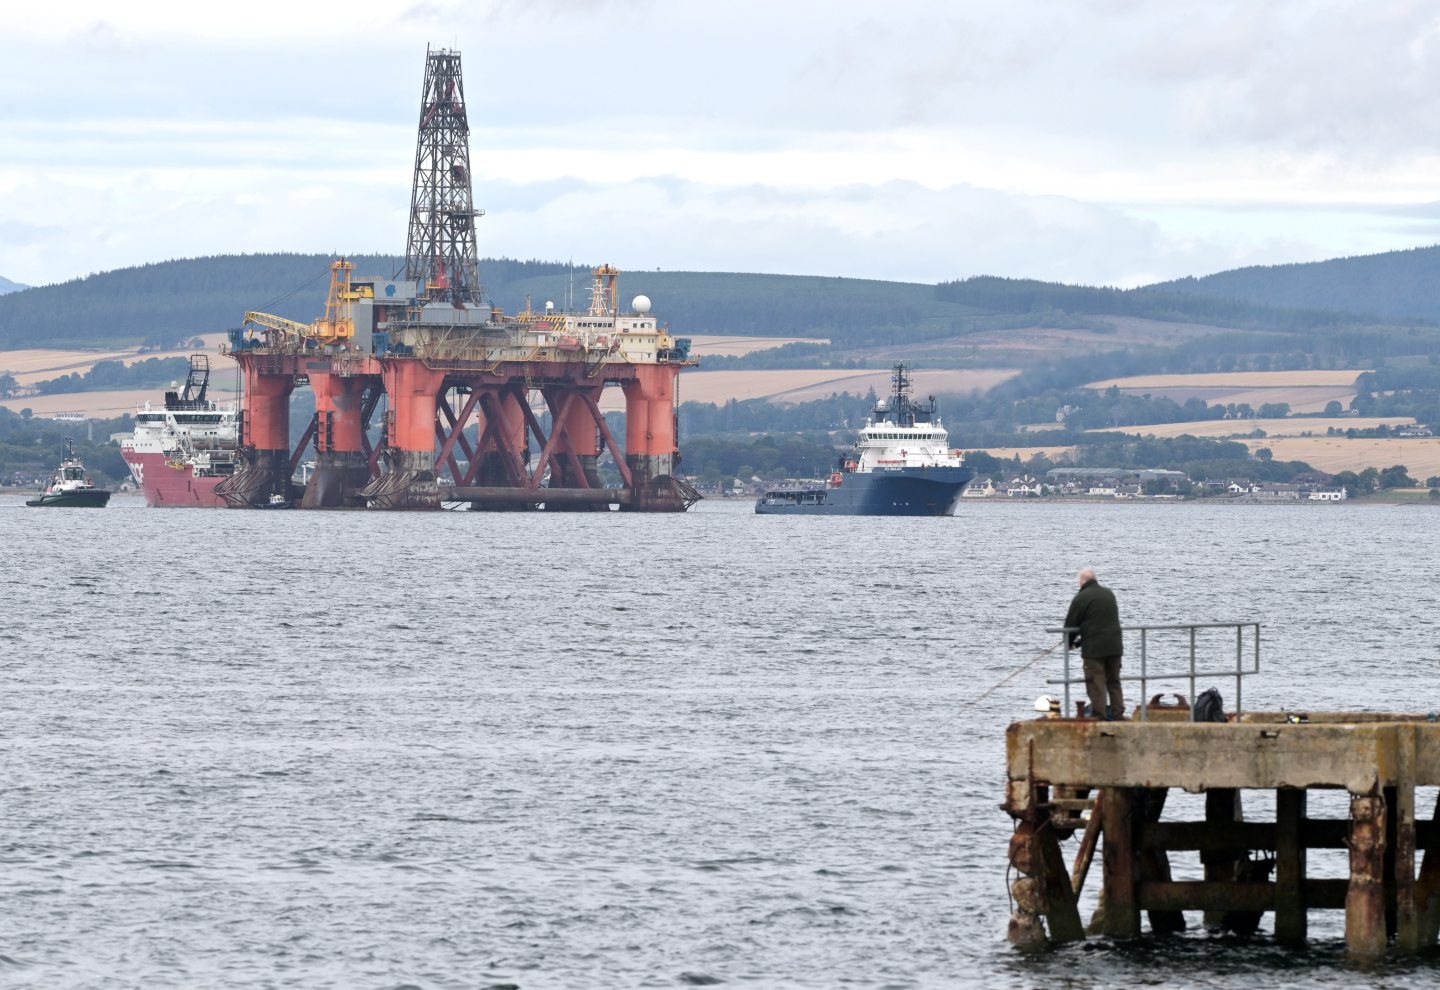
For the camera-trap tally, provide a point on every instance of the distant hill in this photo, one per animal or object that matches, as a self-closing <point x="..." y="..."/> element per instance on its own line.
<point x="160" y="303"/>
<point x="1396" y="285"/>
<point x="165" y="301"/>
<point x="8" y="286"/>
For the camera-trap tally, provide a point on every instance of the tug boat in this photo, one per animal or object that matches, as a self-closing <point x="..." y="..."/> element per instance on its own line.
<point x="901" y="465"/>
<point x="71" y="487"/>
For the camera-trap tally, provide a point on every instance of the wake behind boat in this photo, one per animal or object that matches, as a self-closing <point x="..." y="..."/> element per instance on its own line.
<point x="71" y="487"/>
<point x="901" y="465"/>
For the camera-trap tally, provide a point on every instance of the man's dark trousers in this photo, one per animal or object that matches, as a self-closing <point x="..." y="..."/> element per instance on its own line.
<point x="1102" y="675"/>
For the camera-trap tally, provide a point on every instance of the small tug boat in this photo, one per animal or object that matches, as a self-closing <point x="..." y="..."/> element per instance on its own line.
<point x="902" y="465"/>
<point x="71" y="486"/>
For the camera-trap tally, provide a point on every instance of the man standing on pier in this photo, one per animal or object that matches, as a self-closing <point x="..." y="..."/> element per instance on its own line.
<point x="1096" y="617"/>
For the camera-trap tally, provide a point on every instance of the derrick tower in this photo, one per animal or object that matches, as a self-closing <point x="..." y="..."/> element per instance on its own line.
<point x="440" y="252"/>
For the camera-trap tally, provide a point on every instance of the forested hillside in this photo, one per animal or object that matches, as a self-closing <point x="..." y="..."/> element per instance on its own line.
<point x="160" y="303"/>
<point x="8" y="286"/>
<point x="1396" y="285"/>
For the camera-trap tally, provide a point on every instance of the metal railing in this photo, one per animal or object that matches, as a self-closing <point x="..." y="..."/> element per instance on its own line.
<point x="1145" y="677"/>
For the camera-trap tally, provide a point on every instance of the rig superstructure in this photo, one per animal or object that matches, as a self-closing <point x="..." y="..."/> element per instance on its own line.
<point x="443" y="360"/>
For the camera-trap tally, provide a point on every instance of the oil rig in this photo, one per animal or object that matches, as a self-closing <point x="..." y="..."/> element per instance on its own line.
<point x="461" y="388"/>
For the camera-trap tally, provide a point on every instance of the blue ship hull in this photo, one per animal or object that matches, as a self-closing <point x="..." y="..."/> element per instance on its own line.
<point x="932" y="491"/>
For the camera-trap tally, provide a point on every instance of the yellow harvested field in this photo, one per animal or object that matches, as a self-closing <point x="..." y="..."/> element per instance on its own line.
<point x="703" y="345"/>
<point x="1420" y="455"/>
<point x="40" y="364"/>
<point x="1304" y="391"/>
<point x="1025" y="453"/>
<point x="98" y="405"/>
<point x="1236" y="380"/>
<point x="1292" y="427"/>
<point x="807" y="384"/>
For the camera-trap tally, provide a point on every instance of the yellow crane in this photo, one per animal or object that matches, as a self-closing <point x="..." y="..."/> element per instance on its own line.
<point x="338" y="323"/>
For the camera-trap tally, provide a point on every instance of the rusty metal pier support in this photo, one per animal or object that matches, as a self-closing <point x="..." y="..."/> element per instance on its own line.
<point x="1378" y="758"/>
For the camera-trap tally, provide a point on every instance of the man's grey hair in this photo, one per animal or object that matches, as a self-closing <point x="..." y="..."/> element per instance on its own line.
<point x="1086" y="574"/>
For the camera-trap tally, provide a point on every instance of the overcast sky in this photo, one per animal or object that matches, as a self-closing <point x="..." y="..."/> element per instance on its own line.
<point x="1099" y="141"/>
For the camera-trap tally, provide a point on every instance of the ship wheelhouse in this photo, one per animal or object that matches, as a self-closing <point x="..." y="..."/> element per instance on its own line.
<point x="901" y="433"/>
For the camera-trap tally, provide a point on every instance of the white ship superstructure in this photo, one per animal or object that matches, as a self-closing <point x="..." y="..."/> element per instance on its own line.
<point x="180" y="451"/>
<point x="887" y="445"/>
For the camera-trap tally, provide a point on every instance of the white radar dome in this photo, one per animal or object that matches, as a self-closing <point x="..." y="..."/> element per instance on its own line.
<point x="640" y="304"/>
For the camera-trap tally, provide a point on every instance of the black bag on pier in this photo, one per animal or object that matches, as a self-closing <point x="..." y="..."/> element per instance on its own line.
<point x="1209" y="707"/>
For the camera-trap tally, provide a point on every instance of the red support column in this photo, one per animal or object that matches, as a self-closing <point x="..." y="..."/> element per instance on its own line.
<point x="341" y="465"/>
<point x="264" y="463"/>
<point x="413" y="390"/>
<point x="650" y="443"/>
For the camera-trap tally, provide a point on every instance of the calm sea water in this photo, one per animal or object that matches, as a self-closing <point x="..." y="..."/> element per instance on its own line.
<point x="485" y="750"/>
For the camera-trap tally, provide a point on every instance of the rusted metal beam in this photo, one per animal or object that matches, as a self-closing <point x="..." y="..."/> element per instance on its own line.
<point x="1365" y="898"/>
<point x="1153" y="865"/>
<point x="1062" y="914"/>
<point x="457" y="425"/>
<point x="448" y="458"/>
<point x="1086" y="853"/>
<point x="532" y="424"/>
<point x="1226" y="897"/>
<point x="1220" y="835"/>
<point x="1427" y="888"/>
<point x="499" y="428"/>
<point x="1402" y="813"/>
<point x="1122" y="912"/>
<point x="1223" y="814"/>
<point x="305" y="438"/>
<point x="1290" y="907"/>
<point x="557" y="430"/>
<point x="616" y="453"/>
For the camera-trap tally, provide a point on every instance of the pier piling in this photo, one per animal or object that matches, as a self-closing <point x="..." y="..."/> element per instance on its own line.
<point x="1250" y="868"/>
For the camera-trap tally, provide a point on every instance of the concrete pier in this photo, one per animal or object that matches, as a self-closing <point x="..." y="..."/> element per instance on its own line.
<point x="1127" y="768"/>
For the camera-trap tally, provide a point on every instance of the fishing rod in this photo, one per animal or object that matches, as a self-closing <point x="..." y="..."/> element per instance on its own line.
<point x="1019" y="670"/>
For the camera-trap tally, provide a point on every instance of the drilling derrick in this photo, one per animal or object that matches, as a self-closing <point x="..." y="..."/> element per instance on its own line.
<point x="440" y="253"/>
<point x="466" y="387"/>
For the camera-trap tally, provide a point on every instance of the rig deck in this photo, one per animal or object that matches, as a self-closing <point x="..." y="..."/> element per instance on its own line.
<point x="1123" y="770"/>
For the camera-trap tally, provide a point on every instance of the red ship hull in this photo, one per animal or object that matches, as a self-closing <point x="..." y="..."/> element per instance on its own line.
<point x="171" y="488"/>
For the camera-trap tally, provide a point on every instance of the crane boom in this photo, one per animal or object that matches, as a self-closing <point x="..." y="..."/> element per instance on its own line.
<point x="335" y="326"/>
<point x="277" y="323"/>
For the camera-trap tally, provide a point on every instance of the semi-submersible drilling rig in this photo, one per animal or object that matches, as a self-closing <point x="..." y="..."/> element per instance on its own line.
<point x="426" y="343"/>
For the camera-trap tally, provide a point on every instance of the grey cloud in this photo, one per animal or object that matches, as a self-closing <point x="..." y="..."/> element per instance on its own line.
<point x="1360" y="79"/>
<point x="899" y="230"/>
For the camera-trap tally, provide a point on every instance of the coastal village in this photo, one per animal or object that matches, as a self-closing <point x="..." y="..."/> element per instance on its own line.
<point x="1108" y="483"/>
<point x="1115" y="483"/>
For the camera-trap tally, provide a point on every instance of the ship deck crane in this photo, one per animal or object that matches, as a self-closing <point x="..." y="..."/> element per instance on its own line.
<point x="336" y="326"/>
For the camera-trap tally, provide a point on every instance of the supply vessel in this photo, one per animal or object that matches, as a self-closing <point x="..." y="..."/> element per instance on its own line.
<point x="71" y="487"/>
<point x="901" y="465"/>
<point x="179" y="453"/>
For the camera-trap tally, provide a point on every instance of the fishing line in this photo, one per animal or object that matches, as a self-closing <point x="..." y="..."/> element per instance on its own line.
<point x="1028" y="664"/>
